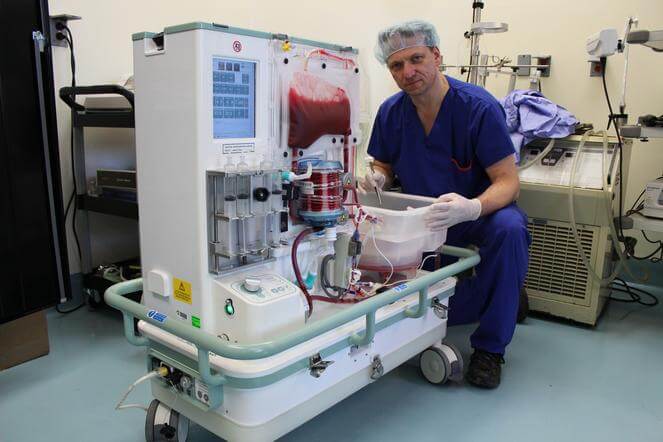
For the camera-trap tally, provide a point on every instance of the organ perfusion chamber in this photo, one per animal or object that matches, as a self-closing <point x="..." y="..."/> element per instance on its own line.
<point x="317" y="108"/>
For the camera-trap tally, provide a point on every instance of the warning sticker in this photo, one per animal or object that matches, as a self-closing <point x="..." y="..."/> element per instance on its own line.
<point x="182" y="290"/>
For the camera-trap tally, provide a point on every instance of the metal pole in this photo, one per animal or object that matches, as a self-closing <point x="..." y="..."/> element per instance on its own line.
<point x="39" y="46"/>
<point x="474" y="41"/>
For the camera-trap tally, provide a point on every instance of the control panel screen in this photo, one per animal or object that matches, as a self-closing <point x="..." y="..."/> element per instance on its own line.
<point x="234" y="95"/>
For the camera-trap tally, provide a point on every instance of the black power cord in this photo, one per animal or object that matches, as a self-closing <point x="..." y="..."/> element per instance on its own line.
<point x="635" y="295"/>
<point x="611" y="117"/>
<point x="64" y="33"/>
<point x="660" y="247"/>
<point x="73" y="198"/>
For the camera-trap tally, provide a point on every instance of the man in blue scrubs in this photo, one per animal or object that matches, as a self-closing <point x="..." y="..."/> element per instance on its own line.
<point x="448" y="139"/>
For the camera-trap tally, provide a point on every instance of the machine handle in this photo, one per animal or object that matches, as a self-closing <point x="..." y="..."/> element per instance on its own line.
<point x="68" y="94"/>
<point x="115" y="297"/>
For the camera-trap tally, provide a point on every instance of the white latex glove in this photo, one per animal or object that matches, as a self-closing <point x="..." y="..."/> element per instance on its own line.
<point x="451" y="209"/>
<point x="372" y="180"/>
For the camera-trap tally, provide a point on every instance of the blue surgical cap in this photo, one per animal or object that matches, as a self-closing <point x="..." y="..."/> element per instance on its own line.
<point x="405" y="35"/>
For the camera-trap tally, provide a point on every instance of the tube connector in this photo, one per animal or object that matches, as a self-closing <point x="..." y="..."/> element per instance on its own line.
<point x="291" y="176"/>
<point x="330" y="234"/>
<point x="310" y="280"/>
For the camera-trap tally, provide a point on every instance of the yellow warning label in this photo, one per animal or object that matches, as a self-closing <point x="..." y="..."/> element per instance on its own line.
<point x="182" y="290"/>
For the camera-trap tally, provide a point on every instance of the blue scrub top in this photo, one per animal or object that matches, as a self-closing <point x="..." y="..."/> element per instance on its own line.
<point x="469" y="134"/>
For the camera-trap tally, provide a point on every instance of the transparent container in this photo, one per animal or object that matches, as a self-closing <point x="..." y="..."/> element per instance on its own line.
<point x="401" y="234"/>
<point x="276" y="197"/>
<point x="229" y="196"/>
<point x="243" y="195"/>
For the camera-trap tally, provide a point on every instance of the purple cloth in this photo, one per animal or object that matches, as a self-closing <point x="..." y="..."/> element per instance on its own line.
<point x="530" y="115"/>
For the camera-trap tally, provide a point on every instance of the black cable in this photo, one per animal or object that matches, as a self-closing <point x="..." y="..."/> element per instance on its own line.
<point x="619" y="142"/>
<point x="73" y="198"/>
<point x="638" y="198"/>
<point x="635" y="294"/>
<point x="469" y="70"/>
<point x="644" y="258"/>
<point x="605" y="91"/>
<point x="636" y="210"/>
<point x="649" y="240"/>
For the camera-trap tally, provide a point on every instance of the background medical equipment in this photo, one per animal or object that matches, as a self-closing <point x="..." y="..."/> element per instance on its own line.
<point x="104" y="187"/>
<point x="607" y="43"/>
<point x="252" y="232"/>
<point x="481" y="65"/>
<point x="603" y="44"/>
<point x="653" y="204"/>
<point x="648" y="126"/>
<point x="557" y="281"/>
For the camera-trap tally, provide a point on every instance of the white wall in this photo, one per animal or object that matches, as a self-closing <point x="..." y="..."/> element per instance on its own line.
<point x="558" y="28"/>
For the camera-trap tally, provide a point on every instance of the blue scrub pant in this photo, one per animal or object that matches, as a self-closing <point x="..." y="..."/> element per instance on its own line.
<point x="491" y="297"/>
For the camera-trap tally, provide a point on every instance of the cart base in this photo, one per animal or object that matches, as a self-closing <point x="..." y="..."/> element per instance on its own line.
<point x="277" y="427"/>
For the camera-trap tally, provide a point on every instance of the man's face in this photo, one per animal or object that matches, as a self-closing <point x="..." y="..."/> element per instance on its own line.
<point x="415" y="69"/>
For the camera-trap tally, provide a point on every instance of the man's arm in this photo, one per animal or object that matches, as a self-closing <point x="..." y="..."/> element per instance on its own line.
<point x="504" y="188"/>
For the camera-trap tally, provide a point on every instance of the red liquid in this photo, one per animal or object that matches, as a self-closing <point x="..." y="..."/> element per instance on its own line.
<point x="316" y="108"/>
<point x="326" y="193"/>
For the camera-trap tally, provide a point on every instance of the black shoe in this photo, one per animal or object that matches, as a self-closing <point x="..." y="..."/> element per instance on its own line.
<point x="485" y="369"/>
<point x="523" y="306"/>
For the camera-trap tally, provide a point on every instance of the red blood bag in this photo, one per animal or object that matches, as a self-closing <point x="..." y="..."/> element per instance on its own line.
<point x="317" y="108"/>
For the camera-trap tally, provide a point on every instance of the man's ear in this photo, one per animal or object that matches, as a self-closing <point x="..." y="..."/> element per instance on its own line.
<point x="437" y="55"/>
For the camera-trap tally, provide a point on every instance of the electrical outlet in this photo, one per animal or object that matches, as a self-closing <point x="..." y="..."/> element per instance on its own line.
<point x="57" y="23"/>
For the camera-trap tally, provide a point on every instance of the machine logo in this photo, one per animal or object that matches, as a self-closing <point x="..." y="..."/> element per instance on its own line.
<point x="155" y="315"/>
<point x="237" y="46"/>
<point x="400" y="288"/>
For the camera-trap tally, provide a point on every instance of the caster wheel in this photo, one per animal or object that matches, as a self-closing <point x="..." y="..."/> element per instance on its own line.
<point x="163" y="424"/>
<point x="94" y="298"/>
<point x="441" y="363"/>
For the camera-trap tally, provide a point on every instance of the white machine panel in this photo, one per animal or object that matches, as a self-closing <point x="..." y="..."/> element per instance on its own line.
<point x="257" y="306"/>
<point x="268" y="288"/>
<point x="555" y="167"/>
<point x="191" y="117"/>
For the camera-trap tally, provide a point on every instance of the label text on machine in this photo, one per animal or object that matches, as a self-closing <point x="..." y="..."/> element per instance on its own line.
<point x="232" y="148"/>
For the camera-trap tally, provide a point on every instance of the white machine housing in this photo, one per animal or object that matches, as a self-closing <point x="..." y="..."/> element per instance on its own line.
<point x="181" y="140"/>
<point x="557" y="281"/>
<point x="603" y="44"/>
<point x="258" y="307"/>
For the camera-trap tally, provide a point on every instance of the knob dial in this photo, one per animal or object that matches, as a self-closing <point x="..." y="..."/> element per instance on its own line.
<point x="252" y="284"/>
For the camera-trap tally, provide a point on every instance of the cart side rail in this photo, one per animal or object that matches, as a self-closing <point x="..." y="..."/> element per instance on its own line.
<point x="206" y="342"/>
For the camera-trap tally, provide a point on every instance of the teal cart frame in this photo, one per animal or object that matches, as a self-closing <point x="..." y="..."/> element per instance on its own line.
<point x="205" y="342"/>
